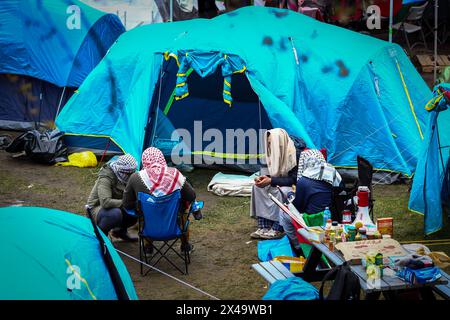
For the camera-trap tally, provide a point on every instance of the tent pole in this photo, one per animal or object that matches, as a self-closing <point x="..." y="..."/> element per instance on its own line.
<point x="155" y="116"/>
<point x="114" y="274"/>
<point x="439" y="142"/>
<point x="38" y="124"/>
<point x="104" y="152"/>
<point x="151" y="125"/>
<point x="436" y="14"/>
<point x="391" y="18"/>
<point x="60" y="102"/>
<point x="171" y="10"/>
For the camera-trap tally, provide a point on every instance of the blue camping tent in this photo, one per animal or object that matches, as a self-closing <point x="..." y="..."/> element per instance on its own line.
<point x="431" y="184"/>
<point x="46" y="46"/>
<point x="350" y="93"/>
<point x="54" y="255"/>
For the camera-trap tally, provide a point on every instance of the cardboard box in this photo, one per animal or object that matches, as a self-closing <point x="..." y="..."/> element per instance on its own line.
<point x="386" y="226"/>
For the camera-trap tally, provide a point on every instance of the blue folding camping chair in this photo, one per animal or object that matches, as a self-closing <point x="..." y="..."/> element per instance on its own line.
<point x="159" y="221"/>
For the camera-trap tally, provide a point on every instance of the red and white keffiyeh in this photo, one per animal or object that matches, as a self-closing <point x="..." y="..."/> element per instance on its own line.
<point x="160" y="179"/>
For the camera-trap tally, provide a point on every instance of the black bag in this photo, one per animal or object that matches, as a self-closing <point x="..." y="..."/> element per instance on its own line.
<point x="46" y="147"/>
<point x="5" y="141"/>
<point x="345" y="286"/>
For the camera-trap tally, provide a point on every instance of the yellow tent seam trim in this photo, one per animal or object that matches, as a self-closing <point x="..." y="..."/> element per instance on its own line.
<point x="409" y="99"/>
<point x="81" y="279"/>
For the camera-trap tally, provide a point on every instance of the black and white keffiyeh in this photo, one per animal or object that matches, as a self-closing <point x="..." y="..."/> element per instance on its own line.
<point x="309" y="158"/>
<point x="323" y="172"/>
<point x="123" y="167"/>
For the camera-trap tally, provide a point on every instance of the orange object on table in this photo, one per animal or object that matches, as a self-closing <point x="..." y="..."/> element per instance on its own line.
<point x="386" y="226"/>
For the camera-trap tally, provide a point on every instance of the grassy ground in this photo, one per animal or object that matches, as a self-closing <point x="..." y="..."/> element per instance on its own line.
<point x="224" y="252"/>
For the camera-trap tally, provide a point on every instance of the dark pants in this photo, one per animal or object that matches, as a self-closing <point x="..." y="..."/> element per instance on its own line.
<point x="108" y="219"/>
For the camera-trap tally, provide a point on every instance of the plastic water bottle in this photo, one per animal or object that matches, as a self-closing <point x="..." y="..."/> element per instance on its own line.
<point x="326" y="216"/>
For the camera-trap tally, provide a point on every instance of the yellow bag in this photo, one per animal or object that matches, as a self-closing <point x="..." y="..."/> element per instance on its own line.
<point x="84" y="159"/>
<point x="294" y="264"/>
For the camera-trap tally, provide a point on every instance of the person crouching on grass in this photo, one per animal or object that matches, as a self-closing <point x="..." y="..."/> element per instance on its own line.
<point x="158" y="179"/>
<point x="105" y="198"/>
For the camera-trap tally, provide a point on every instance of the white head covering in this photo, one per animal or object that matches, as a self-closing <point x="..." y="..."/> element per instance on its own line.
<point x="281" y="154"/>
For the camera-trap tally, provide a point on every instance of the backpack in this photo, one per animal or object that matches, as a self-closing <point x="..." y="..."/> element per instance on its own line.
<point x="345" y="286"/>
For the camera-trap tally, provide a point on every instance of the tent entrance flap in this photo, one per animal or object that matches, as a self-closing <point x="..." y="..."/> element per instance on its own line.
<point x="202" y="123"/>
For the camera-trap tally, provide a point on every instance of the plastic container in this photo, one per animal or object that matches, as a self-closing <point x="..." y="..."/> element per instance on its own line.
<point x="351" y="233"/>
<point x="346" y="217"/>
<point x="326" y="216"/>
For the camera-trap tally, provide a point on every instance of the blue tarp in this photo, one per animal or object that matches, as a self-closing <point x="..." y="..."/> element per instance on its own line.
<point x="430" y="186"/>
<point x="291" y="289"/>
<point x="349" y="93"/>
<point x="270" y="249"/>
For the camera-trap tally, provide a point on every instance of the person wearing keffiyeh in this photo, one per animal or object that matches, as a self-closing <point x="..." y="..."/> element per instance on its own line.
<point x="314" y="189"/>
<point x="158" y="179"/>
<point x="105" y="198"/>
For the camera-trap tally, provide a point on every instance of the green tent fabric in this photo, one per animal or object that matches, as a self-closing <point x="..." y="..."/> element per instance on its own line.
<point x="347" y="92"/>
<point x="48" y="254"/>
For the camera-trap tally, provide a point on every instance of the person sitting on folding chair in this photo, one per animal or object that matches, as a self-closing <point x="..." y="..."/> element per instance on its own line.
<point x="157" y="179"/>
<point x="105" y="198"/>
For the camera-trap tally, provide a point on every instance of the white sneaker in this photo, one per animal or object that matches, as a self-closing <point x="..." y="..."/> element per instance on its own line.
<point x="272" y="234"/>
<point x="259" y="233"/>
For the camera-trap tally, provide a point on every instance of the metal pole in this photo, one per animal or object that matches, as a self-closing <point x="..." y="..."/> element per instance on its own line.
<point x="436" y="14"/>
<point x="391" y="18"/>
<point x="60" y="102"/>
<point x="171" y="10"/>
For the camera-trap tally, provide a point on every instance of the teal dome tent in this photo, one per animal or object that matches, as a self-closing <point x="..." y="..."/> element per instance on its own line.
<point x="47" y="48"/>
<point x="48" y="254"/>
<point x="337" y="89"/>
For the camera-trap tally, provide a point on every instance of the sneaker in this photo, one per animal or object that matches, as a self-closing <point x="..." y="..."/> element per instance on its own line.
<point x="258" y="233"/>
<point x="272" y="234"/>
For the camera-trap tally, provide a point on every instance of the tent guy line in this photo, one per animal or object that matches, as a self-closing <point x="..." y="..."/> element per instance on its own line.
<point x="168" y="275"/>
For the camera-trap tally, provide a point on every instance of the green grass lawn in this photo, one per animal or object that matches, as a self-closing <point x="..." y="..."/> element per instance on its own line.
<point x="392" y="201"/>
